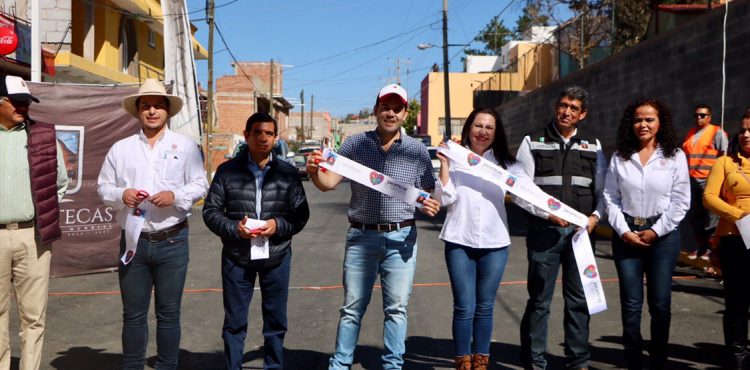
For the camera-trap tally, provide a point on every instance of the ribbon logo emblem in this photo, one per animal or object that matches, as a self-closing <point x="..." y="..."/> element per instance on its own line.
<point x="376" y="178"/>
<point x="473" y="159"/>
<point x="553" y="204"/>
<point x="331" y="159"/>
<point x="590" y="271"/>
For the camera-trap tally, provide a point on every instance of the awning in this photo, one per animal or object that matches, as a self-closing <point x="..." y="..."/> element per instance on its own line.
<point x="150" y="10"/>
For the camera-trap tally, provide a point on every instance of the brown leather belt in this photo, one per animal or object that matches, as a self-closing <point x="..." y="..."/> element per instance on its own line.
<point x="163" y="234"/>
<point x="382" y="227"/>
<point x="17" y="225"/>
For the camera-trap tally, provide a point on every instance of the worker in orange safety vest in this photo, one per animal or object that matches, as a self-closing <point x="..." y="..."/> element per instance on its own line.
<point x="703" y="144"/>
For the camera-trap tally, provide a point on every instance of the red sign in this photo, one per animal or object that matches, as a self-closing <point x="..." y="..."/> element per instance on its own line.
<point x="8" y="40"/>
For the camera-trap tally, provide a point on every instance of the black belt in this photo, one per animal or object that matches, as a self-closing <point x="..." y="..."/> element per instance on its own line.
<point x="163" y="234"/>
<point x="641" y="221"/>
<point x="17" y="225"/>
<point x="382" y="227"/>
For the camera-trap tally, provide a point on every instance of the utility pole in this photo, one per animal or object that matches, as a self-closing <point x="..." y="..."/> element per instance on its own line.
<point x="210" y="93"/>
<point x="36" y="42"/>
<point x="270" y="96"/>
<point x="398" y="71"/>
<point x="302" y="115"/>
<point x="312" y="110"/>
<point x="446" y="83"/>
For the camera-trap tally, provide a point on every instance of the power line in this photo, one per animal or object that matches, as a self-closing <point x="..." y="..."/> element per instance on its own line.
<point x="102" y="5"/>
<point x="298" y="66"/>
<point x="358" y="65"/>
<point x="231" y="54"/>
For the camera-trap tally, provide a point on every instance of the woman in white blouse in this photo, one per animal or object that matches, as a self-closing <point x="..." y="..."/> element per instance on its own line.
<point x="647" y="192"/>
<point x="476" y="237"/>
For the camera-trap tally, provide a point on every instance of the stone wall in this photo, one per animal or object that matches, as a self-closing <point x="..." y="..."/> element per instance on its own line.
<point x="682" y="67"/>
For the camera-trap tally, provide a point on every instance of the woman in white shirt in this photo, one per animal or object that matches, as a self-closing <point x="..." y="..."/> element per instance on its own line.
<point x="647" y="192"/>
<point x="476" y="237"/>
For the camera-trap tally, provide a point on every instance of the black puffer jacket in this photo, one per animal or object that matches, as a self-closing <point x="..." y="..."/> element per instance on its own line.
<point x="232" y="196"/>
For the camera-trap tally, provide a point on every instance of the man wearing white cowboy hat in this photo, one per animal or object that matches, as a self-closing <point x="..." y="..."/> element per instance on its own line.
<point x="152" y="179"/>
<point x="32" y="183"/>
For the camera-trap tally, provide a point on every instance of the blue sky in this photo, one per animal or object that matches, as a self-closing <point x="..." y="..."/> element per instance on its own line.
<point x="343" y="51"/>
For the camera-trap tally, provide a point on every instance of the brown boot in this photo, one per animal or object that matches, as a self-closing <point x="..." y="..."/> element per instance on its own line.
<point x="463" y="362"/>
<point x="479" y="361"/>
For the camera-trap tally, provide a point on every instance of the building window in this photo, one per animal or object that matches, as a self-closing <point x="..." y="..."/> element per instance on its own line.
<point x="457" y="125"/>
<point x="152" y="38"/>
<point x="128" y="48"/>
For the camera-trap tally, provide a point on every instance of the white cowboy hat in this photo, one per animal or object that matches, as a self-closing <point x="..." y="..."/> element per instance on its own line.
<point x="152" y="87"/>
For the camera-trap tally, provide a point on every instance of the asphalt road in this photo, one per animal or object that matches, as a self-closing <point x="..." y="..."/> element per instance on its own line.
<point x="84" y="315"/>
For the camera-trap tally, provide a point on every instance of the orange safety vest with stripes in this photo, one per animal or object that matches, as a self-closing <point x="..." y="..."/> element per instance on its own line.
<point x="702" y="154"/>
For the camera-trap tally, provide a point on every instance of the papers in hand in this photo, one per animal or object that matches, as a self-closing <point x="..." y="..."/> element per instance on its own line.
<point x="253" y="224"/>
<point x="259" y="248"/>
<point x="744" y="225"/>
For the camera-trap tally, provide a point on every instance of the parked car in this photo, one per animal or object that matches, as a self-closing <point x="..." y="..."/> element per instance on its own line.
<point x="306" y="150"/>
<point x="426" y="139"/>
<point x="300" y="162"/>
<point x="280" y="150"/>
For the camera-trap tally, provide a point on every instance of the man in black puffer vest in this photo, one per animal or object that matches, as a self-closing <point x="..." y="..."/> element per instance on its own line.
<point x="567" y="163"/>
<point x="254" y="185"/>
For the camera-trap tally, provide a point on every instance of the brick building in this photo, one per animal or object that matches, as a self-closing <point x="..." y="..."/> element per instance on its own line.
<point x="320" y="129"/>
<point x="240" y="95"/>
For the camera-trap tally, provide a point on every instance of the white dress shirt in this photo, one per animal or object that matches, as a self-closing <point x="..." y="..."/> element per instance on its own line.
<point x="526" y="161"/>
<point x="661" y="187"/>
<point x="476" y="208"/>
<point x="173" y="164"/>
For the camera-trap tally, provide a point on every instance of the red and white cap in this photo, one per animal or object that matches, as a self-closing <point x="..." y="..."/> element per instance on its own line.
<point x="15" y="88"/>
<point x="390" y="90"/>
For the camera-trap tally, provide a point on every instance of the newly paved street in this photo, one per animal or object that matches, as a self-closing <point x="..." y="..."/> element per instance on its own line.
<point x="84" y="317"/>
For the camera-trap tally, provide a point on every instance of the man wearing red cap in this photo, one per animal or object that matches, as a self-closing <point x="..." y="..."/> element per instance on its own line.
<point x="382" y="237"/>
<point x="32" y="184"/>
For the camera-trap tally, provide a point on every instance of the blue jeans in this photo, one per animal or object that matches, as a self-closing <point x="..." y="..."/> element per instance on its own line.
<point x="393" y="255"/>
<point x="238" y="283"/>
<point x="475" y="277"/>
<point x="549" y="247"/>
<point x="657" y="263"/>
<point x="160" y="266"/>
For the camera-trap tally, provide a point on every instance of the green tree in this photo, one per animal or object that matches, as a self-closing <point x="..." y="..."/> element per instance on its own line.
<point x="531" y="15"/>
<point x="631" y="21"/>
<point x="410" y="122"/>
<point x="493" y="36"/>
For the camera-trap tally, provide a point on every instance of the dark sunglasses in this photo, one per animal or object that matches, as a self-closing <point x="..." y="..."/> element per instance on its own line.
<point x="743" y="131"/>
<point x="700" y="115"/>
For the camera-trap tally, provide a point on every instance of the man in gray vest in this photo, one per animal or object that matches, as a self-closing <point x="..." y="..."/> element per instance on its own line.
<point x="33" y="182"/>
<point x="567" y="163"/>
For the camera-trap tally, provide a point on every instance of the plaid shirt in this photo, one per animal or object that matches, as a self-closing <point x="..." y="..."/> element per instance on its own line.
<point x="407" y="161"/>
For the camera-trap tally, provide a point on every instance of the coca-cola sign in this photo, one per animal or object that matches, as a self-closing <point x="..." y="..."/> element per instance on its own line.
<point x="8" y="40"/>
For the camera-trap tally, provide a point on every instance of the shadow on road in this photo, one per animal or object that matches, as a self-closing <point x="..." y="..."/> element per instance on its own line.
<point x="86" y="358"/>
<point x="681" y="357"/>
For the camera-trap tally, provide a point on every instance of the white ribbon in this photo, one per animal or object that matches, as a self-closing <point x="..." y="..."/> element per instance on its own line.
<point x="372" y="179"/>
<point x="525" y="189"/>
<point x="133" y="226"/>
